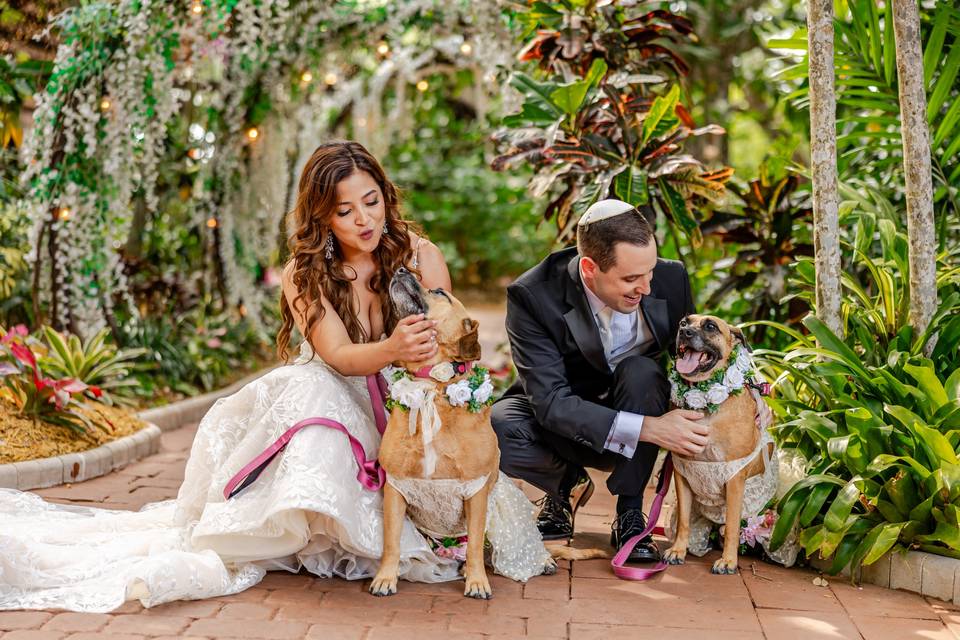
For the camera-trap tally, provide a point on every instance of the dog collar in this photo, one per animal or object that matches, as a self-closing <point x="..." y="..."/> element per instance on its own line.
<point x="709" y="394"/>
<point x="443" y="371"/>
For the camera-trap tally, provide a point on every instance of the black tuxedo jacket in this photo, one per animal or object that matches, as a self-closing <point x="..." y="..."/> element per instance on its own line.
<point x="556" y="345"/>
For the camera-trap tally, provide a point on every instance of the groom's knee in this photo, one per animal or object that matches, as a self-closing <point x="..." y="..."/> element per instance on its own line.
<point x="640" y="384"/>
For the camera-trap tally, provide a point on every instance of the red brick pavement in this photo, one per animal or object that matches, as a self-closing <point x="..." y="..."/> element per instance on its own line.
<point x="582" y="601"/>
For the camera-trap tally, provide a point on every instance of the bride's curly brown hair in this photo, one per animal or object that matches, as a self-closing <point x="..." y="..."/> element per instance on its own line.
<point x="313" y="274"/>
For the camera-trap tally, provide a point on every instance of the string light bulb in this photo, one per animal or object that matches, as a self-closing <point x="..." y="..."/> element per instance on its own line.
<point x="197" y="7"/>
<point x="330" y="79"/>
<point x="63" y="213"/>
<point x="212" y="223"/>
<point x="306" y="77"/>
<point x="383" y="48"/>
<point x="253" y="133"/>
<point x="422" y="86"/>
<point x="105" y="104"/>
<point x="194" y="153"/>
<point x="466" y="49"/>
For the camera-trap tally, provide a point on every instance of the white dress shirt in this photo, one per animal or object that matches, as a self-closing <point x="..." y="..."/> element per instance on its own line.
<point x="626" y="334"/>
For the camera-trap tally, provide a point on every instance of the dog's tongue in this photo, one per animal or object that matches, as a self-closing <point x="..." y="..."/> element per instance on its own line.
<point x="688" y="362"/>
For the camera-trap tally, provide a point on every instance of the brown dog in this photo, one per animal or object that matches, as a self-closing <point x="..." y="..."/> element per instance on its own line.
<point x="706" y="344"/>
<point x="464" y="450"/>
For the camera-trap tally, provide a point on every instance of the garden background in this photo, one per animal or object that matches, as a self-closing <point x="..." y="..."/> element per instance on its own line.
<point x="150" y="151"/>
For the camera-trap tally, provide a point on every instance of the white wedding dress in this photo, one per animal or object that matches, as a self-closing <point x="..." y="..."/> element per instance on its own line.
<point x="307" y="509"/>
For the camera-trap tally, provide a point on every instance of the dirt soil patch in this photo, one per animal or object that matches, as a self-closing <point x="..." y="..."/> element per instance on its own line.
<point x="26" y="439"/>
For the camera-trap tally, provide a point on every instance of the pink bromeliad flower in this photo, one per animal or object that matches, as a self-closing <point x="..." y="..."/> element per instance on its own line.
<point x="758" y="528"/>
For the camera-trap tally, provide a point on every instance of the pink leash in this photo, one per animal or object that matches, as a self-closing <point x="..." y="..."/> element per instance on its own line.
<point x="619" y="561"/>
<point x="371" y="475"/>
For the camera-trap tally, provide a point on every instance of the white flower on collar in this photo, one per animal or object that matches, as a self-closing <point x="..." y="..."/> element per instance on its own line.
<point x="442" y="372"/>
<point x="482" y="393"/>
<point x="695" y="399"/>
<point x="717" y="394"/>
<point x="459" y="394"/>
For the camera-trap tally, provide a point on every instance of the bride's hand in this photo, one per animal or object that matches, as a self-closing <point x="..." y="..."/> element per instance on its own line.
<point x="414" y="339"/>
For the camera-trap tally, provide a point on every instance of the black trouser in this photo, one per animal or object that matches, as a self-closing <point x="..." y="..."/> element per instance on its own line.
<point x="548" y="461"/>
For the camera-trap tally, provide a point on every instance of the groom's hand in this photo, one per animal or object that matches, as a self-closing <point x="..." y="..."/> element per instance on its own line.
<point x="676" y="431"/>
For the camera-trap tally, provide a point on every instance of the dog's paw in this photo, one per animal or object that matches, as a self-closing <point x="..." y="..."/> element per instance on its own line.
<point x="725" y="567"/>
<point x="550" y="567"/>
<point x="478" y="587"/>
<point x="675" y="556"/>
<point x="383" y="585"/>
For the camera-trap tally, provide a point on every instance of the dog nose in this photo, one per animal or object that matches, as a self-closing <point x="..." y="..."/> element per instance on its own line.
<point x="686" y="332"/>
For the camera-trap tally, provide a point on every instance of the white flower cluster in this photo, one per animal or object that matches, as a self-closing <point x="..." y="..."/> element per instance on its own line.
<point x="695" y="397"/>
<point x="461" y="393"/>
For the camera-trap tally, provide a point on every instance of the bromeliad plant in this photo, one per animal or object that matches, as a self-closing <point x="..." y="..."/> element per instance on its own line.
<point x="604" y="118"/>
<point x="35" y="394"/>
<point x="882" y="442"/>
<point x="877" y="421"/>
<point x="94" y="362"/>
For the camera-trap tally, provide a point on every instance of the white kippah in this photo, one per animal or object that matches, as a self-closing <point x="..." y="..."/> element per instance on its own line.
<point x="604" y="209"/>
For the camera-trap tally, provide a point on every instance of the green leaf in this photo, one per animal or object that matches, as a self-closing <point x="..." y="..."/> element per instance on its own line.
<point x="927" y="379"/>
<point x="842" y="504"/>
<point x="814" y="503"/>
<point x="952" y="386"/>
<point x="570" y="97"/>
<point x="536" y="92"/>
<point x="830" y="341"/>
<point x="880" y="540"/>
<point x="789" y="509"/>
<point x="662" y="107"/>
<point x="630" y="185"/>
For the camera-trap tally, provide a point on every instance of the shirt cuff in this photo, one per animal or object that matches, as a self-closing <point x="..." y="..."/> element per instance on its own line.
<point x="624" y="434"/>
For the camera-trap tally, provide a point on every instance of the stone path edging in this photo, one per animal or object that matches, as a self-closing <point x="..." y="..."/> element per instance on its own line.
<point x="82" y="465"/>
<point x="928" y="574"/>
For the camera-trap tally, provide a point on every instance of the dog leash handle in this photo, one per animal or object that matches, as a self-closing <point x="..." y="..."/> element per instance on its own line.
<point x="618" y="563"/>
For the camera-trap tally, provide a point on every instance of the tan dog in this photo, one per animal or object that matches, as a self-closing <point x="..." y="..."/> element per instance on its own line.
<point x="704" y="345"/>
<point x="465" y="449"/>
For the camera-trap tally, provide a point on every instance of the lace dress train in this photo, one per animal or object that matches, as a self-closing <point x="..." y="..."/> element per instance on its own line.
<point x="305" y="510"/>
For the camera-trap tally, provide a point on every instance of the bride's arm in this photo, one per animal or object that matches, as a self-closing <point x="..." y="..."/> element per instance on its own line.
<point x="409" y="341"/>
<point x="433" y="268"/>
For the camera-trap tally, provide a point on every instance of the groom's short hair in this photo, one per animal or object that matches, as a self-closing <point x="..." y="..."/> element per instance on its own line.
<point x="598" y="240"/>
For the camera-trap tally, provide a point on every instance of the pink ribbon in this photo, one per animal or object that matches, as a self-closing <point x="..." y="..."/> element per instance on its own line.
<point x="371" y="475"/>
<point x="619" y="560"/>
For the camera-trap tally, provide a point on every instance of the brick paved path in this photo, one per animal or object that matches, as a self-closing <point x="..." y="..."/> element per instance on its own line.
<point x="581" y="602"/>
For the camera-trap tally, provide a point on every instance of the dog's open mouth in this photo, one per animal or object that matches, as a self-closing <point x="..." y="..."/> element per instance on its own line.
<point x="692" y="362"/>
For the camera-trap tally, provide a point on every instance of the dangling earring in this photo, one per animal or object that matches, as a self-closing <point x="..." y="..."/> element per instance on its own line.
<point x="386" y="229"/>
<point x="328" y="253"/>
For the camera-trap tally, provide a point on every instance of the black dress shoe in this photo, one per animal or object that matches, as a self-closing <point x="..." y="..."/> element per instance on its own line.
<point x="555" y="520"/>
<point x="628" y="524"/>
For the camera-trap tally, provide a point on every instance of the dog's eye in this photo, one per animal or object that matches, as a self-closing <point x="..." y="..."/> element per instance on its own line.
<point x="710" y="326"/>
<point x="440" y="292"/>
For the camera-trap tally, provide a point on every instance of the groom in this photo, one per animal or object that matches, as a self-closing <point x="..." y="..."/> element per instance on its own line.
<point x="587" y="327"/>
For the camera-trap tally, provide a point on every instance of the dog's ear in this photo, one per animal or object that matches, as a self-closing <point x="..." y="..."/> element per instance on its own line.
<point x="469" y="346"/>
<point x="738" y="336"/>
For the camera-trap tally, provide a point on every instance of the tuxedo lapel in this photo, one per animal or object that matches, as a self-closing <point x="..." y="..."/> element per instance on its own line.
<point x="658" y="319"/>
<point x="580" y="321"/>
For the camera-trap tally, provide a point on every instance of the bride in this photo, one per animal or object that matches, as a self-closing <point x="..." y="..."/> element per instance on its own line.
<point x="306" y="508"/>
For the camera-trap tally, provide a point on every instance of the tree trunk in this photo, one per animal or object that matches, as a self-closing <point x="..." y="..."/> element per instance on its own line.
<point x="823" y="157"/>
<point x="916" y="164"/>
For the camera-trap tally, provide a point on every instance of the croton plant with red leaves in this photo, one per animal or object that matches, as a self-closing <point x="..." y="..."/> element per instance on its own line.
<point x="602" y="115"/>
<point x="34" y="393"/>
